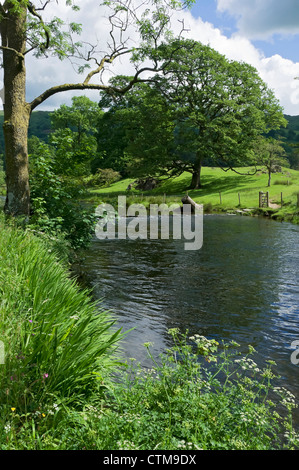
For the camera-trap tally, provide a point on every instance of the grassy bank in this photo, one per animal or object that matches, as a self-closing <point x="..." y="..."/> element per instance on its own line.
<point x="221" y="192"/>
<point x="57" y="345"/>
<point x="63" y="388"/>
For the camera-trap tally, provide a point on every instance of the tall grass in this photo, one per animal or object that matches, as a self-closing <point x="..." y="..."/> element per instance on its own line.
<point x="56" y="341"/>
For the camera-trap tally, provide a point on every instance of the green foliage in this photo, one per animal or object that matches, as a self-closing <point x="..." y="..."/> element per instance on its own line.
<point x="74" y="136"/>
<point x="184" y="402"/>
<point x="223" y="105"/>
<point x="73" y="152"/>
<point x="203" y="108"/>
<point x="271" y="154"/>
<point x="51" y="37"/>
<point x="82" y="116"/>
<point x="104" y="177"/>
<point x="137" y="132"/>
<point x="56" y="169"/>
<point x="58" y="344"/>
<point x="55" y="206"/>
<point x="201" y="395"/>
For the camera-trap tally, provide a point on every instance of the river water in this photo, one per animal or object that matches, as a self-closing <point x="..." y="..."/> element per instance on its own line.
<point x="241" y="285"/>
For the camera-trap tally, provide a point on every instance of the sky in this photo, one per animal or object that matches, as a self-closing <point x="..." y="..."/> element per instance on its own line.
<point x="263" y="33"/>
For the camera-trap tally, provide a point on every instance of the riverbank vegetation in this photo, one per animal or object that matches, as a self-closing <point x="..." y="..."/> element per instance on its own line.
<point x="65" y="385"/>
<point x="201" y="126"/>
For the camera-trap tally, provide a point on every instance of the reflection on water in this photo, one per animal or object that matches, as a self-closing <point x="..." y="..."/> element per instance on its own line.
<point x="241" y="285"/>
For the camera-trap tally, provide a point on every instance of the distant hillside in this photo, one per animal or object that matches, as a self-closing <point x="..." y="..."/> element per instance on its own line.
<point x="291" y="132"/>
<point x="40" y="126"/>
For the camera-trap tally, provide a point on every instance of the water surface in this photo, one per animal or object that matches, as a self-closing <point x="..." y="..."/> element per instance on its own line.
<point x="242" y="285"/>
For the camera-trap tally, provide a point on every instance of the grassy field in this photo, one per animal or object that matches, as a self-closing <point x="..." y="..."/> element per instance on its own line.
<point x="221" y="191"/>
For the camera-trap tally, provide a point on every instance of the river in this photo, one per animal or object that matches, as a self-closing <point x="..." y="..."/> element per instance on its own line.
<point x="241" y="285"/>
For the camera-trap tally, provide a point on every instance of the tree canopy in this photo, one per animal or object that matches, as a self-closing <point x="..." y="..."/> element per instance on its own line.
<point x="201" y="107"/>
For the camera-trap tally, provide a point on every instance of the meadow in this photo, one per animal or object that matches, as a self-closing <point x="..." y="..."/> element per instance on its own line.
<point x="221" y="192"/>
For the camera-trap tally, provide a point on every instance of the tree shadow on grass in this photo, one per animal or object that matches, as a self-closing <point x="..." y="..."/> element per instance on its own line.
<point x="223" y="184"/>
<point x="210" y="184"/>
<point x="174" y="186"/>
<point x="179" y="186"/>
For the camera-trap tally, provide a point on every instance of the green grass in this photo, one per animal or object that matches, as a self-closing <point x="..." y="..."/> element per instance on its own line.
<point x="221" y="191"/>
<point x="180" y="404"/>
<point x="57" y="342"/>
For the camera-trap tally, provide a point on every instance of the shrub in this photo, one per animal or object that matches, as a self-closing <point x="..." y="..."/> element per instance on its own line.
<point x="103" y="177"/>
<point x="54" y="200"/>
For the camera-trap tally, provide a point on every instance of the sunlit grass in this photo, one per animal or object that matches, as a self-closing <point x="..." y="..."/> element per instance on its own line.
<point x="223" y="190"/>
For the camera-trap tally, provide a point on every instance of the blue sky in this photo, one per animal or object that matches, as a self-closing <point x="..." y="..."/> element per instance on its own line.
<point x="207" y="10"/>
<point x="285" y="41"/>
<point x="264" y="33"/>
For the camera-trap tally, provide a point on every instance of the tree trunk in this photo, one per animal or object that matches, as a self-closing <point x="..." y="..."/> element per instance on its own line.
<point x="195" y="182"/>
<point x="269" y="176"/>
<point x="16" y="114"/>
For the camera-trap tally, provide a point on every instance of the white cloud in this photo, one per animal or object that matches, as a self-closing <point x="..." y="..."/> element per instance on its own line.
<point x="276" y="71"/>
<point x="261" y="19"/>
<point x="279" y="73"/>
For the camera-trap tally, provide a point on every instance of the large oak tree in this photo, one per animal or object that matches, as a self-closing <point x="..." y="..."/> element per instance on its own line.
<point x="201" y="109"/>
<point x="221" y="105"/>
<point x="24" y="30"/>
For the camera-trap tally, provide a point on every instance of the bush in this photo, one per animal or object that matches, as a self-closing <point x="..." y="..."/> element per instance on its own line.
<point x="103" y="177"/>
<point x="54" y="200"/>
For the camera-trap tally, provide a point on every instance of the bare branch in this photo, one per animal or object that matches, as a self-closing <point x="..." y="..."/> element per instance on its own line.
<point x="120" y="19"/>
<point x="91" y="86"/>
<point x="33" y="11"/>
<point x="43" y="7"/>
<point x="229" y="167"/>
<point x="6" y="48"/>
<point x="101" y="65"/>
<point x="61" y="88"/>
